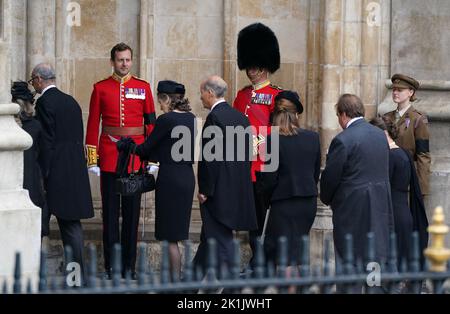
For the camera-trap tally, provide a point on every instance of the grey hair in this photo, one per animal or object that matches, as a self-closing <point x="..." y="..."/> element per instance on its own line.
<point x="216" y="85"/>
<point x="45" y="71"/>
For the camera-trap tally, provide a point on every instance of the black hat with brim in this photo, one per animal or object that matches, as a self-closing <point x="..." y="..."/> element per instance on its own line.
<point x="170" y="87"/>
<point x="292" y="97"/>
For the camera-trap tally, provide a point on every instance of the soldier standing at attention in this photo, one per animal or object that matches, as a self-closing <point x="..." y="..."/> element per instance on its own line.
<point x="258" y="53"/>
<point x="125" y="105"/>
<point x="413" y="127"/>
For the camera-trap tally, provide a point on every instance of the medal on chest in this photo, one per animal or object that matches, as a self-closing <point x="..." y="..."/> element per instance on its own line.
<point x="261" y="99"/>
<point x="135" y="93"/>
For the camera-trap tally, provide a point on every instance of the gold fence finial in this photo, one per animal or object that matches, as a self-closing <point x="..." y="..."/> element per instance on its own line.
<point x="437" y="253"/>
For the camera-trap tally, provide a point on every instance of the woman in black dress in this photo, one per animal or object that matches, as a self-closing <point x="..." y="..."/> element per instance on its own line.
<point x="293" y="187"/>
<point x="175" y="182"/>
<point x="405" y="190"/>
<point x="32" y="176"/>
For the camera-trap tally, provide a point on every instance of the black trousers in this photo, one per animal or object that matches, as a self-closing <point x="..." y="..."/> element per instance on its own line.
<point x="211" y="228"/>
<point x="72" y="235"/>
<point x="131" y="206"/>
<point x="45" y="220"/>
<point x="261" y="205"/>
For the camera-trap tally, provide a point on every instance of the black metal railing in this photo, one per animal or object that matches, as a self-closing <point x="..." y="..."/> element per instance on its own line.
<point x="351" y="275"/>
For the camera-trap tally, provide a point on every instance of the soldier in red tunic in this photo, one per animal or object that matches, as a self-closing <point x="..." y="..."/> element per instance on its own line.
<point x="258" y="53"/>
<point x="125" y="105"/>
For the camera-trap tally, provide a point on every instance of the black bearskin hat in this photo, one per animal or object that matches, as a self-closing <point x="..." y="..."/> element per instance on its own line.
<point x="257" y="46"/>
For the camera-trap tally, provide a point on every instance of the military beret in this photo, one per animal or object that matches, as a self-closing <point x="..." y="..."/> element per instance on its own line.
<point x="292" y="97"/>
<point x="403" y="81"/>
<point x="20" y="90"/>
<point x="170" y="87"/>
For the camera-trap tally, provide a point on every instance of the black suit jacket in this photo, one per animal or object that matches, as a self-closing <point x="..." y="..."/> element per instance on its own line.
<point x="62" y="157"/>
<point x="298" y="170"/>
<point x="355" y="183"/>
<point x="226" y="183"/>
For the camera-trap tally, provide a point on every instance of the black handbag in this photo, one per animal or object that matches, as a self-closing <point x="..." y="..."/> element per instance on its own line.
<point x="135" y="183"/>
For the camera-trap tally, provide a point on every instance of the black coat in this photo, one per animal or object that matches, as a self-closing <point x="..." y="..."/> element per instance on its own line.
<point x="400" y="177"/>
<point x="227" y="184"/>
<point x="355" y="183"/>
<point x="420" y="220"/>
<point x="299" y="167"/>
<point x="32" y="176"/>
<point x="176" y="180"/>
<point x="407" y="202"/>
<point x="62" y="157"/>
<point x="292" y="190"/>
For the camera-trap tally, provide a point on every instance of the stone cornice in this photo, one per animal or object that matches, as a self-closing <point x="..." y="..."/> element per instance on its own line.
<point x="435" y="85"/>
<point x="13" y="137"/>
<point x="433" y="100"/>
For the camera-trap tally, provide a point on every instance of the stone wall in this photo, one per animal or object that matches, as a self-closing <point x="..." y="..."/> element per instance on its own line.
<point x="420" y="48"/>
<point x="328" y="47"/>
<point x="355" y="57"/>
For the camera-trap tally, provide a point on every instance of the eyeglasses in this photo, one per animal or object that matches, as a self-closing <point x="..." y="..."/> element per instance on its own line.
<point x="30" y="81"/>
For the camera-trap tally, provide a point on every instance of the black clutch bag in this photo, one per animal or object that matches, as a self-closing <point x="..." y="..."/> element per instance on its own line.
<point x="135" y="183"/>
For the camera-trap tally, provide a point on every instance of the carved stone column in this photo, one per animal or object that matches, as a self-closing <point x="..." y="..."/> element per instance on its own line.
<point x="146" y="40"/>
<point x="230" y="70"/>
<point x="20" y="220"/>
<point x="355" y="50"/>
<point x="355" y="57"/>
<point x="41" y="41"/>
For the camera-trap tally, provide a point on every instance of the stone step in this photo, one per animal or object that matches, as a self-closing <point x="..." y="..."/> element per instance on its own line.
<point x="321" y="230"/>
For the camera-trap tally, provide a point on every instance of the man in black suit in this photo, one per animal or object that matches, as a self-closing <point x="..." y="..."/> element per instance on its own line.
<point x="62" y="159"/>
<point x="224" y="177"/>
<point x="355" y="182"/>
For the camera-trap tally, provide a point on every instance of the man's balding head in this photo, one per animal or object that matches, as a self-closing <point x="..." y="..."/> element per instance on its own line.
<point x="43" y="75"/>
<point x="45" y="71"/>
<point x="212" y="89"/>
<point x="216" y="85"/>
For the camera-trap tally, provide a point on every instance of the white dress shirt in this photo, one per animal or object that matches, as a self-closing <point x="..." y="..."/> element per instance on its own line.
<point x="216" y="103"/>
<point x="47" y="88"/>
<point x="353" y="120"/>
<point x="403" y="111"/>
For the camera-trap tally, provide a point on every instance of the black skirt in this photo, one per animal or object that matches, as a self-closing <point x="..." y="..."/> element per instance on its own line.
<point x="173" y="201"/>
<point x="291" y="218"/>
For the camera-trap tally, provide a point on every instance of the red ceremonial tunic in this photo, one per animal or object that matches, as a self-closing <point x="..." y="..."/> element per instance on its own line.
<point x="125" y="104"/>
<point x="257" y="103"/>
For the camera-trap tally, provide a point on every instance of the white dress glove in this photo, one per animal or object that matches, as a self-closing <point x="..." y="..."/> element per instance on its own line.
<point x="95" y="170"/>
<point x="152" y="169"/>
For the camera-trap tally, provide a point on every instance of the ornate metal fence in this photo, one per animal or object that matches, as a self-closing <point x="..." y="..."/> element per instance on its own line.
<point x="352" y="275"/>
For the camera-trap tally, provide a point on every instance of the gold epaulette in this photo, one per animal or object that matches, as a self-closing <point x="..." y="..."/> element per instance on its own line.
<point x="140" y="79"/>
<point x="276" y="87"/>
